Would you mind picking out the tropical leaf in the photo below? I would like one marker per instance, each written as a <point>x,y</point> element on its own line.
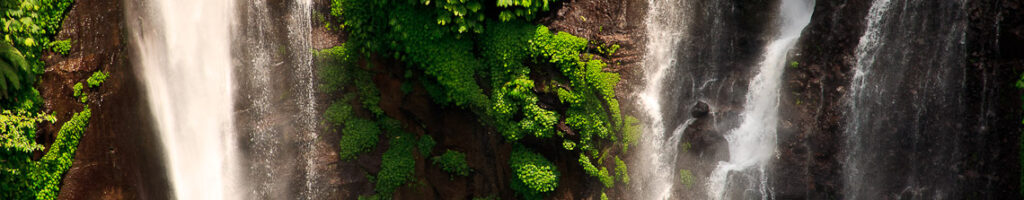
<point>15,72</point>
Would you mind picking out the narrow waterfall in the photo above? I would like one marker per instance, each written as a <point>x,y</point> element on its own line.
<point>905,99</point>
<point>665,30</point>
<point>752,144</point>
<point>277,109</point>
<point>184,58</point>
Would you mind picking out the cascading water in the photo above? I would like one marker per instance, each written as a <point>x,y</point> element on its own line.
<point>904,102</point>
<point>191,56</point>
<point>278,112</point>
<point>184,57</point>
<point>657,156</point>
<point>752,144</point>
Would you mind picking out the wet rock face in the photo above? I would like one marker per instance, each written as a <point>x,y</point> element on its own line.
<point>119,156</point>
<point>811,132</point>
<point>700,109</point>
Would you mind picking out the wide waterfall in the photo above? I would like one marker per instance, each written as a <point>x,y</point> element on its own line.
<point>904,103</point>
<point>233,96</point>
<point>184,54</point>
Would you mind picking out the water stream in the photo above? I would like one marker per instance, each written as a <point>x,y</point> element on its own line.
<point>233,96</point>
<point>184,57</point>
<point>752,144</point>
<point>905,98</point>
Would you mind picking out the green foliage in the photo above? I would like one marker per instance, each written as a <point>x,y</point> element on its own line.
<point>97,78</point>
<point>604,196</point>
<point>397,166</point>
<point>426,144</point>
<point>621,172</point>
<point>491,197</point>
<point>31,24</point>
<point>15,73</point>
<point>686,178</point>
<point>532,174</point>
<point>630,132</point>
<point>462,16</point>
<point>370,197</point>
<point>78,90</point>
<point>470,60</point>
<point>60,46</point>
<point>339,112</point>
<point>359,135</point>
<point>602,174</point>
<point>27,179</point>
<point>453,162</point>
<point>794,64</point>
<point>569,145</point>
<point>17,130</point>
<point>607,50</point>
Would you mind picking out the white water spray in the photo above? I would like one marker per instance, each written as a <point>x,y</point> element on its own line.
<point>753,143</point>
<point>185,63</point>
<point>657,156</point>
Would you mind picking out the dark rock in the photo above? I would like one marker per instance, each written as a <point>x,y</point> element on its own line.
<point>700,109</point>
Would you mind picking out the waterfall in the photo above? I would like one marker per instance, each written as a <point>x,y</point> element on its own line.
<point>665,30</point>
<point>752,144</point>
<point>184,60</point>
<point>233,96</point>
<point>278,111</point>
<point>904,101</point>
<point>299,30</point>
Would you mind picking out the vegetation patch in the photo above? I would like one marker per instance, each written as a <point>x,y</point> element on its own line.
<point>533,175</point>
<point>496,67</point>
<point>453,162</point>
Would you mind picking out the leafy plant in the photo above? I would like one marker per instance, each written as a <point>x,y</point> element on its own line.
<point>15,72</point>
<point>426,144</point>
<point>533,175</point>
<point>453,162</point>
<point>97,78</point>
<point>359,135</point>
<point>60,46</point>
<point>398,165</point>
<point>621,172</point>
<point>686,178</point>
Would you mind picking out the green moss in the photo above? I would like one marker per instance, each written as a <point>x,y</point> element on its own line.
<point>686,178</point>
<point>533,175</point>
<point>97,78</point>
<point>358,136</point>
<point>621,172</point>
<point>487,65</point>
<point>60,46</point>
<point>426,144</point>
<point>397,166</point>
<point>453,162</point>
<point>77,88</point>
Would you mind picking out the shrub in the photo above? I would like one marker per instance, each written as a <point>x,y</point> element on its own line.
<point>77,88</point>
<point>397,166</point>
<point>60,46</point>
<point>621,172</point>
<point>359,135</point>
<point>15,72</point>
<point>453,162</point>
<point>686,178</point>
<point>533,175</point>
<point>339,112</point>
<point>426,144</point>
<point>602,174</point>
<point>97,78</point>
